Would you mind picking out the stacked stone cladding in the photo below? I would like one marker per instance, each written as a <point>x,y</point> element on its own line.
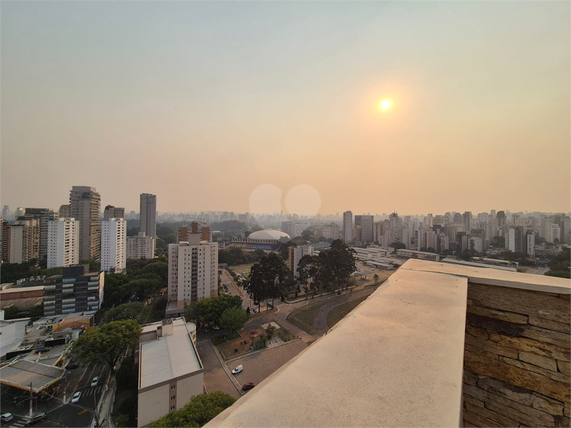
<point>516,358</point>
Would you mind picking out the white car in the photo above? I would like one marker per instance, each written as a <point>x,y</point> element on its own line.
<point>6,417</point>
<point>95,381</point>
<point>238,369</point>
<point>76,397</point>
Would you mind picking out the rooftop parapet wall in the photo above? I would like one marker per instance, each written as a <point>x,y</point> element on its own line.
<point>516,359</point>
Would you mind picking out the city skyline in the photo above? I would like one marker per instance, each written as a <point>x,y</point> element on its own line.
<point>220,98</point>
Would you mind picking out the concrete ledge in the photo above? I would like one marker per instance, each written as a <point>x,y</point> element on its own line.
<point>490,276</point>
<point>395,361</point>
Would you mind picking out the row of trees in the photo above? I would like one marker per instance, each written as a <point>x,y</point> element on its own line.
<point>270,278</point>
<point>225,311</point>
<point>561,265</point>
<point>143,280</point>
<point>236,256</point>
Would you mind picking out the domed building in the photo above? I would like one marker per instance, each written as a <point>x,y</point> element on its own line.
<point>267,239</point>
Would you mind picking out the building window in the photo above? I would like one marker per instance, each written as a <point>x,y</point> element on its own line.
<point>173,397</point>
<point>173,408</point>
<point>173,387</point>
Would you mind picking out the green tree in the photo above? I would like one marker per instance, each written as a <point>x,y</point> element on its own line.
<point>269,279</point>
<point>197,412</point>
<point>233,319</point>
<point>136,311</point>
<point>397,245</point>
<point>94,265</point>
<point>10,312</point>
<point>36,312</point>
<point>107,344</point>
<point>283,249</point>
<point>560,265</point>
<point>211,309</point>
<point>309,273</point>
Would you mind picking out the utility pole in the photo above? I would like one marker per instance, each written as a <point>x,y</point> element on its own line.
<point>31,400</point>
<point>65,387</point>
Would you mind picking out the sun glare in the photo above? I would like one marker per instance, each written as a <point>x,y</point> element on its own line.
<point>385,104</point>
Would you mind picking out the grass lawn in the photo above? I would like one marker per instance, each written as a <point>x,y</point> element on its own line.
<point>304,318</point>
<point>338,313</point>
<point>243,270</point>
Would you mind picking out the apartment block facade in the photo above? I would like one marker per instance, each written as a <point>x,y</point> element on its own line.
<point>140,247</point>
<point>77,290</point>
<point>193,270</point>
<point>63,242</point>
<point>85,205</point>
<point>148,216</point>
<point>114,245</point>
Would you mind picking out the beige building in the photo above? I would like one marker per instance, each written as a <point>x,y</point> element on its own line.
<point>113,212</point>
<point>140,247</point>
<point>21,241</point>
<point>295,255</point>
<point>193,272</point>
<point>170,369</point>
<point>85,204</point>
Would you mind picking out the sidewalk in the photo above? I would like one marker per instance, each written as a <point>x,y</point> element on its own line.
<point>105,405</point>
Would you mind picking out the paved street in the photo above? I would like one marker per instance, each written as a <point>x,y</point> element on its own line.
<point>59,414</point>
<point>259,365</point>
<point>215,378</point>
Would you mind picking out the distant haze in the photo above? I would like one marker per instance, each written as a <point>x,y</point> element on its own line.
<point>202,102</point>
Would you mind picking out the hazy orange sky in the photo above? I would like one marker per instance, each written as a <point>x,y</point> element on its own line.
<point>201,102</point>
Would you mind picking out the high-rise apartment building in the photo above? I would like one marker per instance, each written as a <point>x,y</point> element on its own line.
<point>530,243</point>
<point>467,220</point>
<point>365,223</point>
<point>64,211</point>
<point>113,212</point>
<point>347,226</point>
<point>395,228</point>
<point>63,242</point>
<point>21,241</point>
<point>501,219</point>
<point>295,254</point>
<point>85,204</point>
<point>44,216</point>
<point>140,247</point>
<point>113,245</point>
<point>195,228</point>
<point>6,212</point>
<point>149,215</point>
<point>193,270</point>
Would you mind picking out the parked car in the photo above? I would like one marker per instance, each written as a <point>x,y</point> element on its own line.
<point>72,366</point>
<point>238,369</point>
<point>248,386</point>
<point>95,381</point>
<point>76,397</point>
<point>6,417</point>
<point>215,327</point>
<point>35,419</point>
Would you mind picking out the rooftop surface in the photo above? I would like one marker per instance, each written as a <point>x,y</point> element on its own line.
<point>21,373</point>
<point>394,361</point>
<point>168,357</point>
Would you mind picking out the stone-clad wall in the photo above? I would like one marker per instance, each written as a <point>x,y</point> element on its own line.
<point>516,358</point>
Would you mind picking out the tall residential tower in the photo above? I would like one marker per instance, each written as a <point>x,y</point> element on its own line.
<point>149,215</point>
<point>85,203</point>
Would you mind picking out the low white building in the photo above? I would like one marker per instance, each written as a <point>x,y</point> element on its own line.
<point>170,369</point>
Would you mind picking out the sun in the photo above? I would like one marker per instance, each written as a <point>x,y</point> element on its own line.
<point>384,104</point>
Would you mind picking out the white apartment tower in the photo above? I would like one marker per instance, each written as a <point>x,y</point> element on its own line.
<point>63,242</point>
<point>140,247</point>
<point>113,245</point>
<point>193,270</point>
<point>149,215</point>
<point>347,226</point>
<point>295,255</point>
